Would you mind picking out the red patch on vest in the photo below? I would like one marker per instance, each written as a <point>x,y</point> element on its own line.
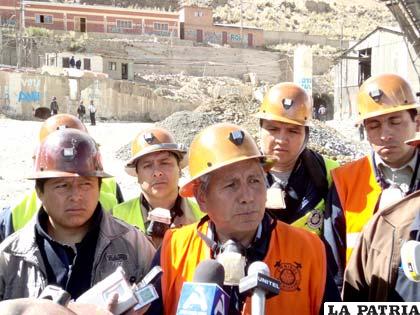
<point>289,275</point>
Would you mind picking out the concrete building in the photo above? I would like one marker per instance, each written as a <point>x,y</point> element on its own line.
<point>381,51</point>
<point>196,24</point>
<point>117,68</point>
<point>88,18</point>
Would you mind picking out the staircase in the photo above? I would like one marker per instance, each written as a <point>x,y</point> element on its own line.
<point>407,14</point>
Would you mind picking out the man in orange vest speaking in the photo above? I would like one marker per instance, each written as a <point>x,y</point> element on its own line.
<point>227,180</point>
<point>388,109</point>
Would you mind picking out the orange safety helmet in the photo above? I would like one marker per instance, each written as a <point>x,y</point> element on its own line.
<point>287,102</point>
<point>60,121</point>
<point>217,146</point>
<point>151,140</point>
<point>415,142</point>
<point>68,153</point>
<point>384,94</point>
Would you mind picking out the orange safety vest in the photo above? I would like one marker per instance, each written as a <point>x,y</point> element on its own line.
<point>358,191</point>
<point>295,257</point>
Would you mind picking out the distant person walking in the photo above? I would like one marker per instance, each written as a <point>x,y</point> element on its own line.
<point>54,106</point>
<point>92,113</point>
<point>81,111</point>
<point>78,64</point>
<point>322,113</point>
<point>72,62</point>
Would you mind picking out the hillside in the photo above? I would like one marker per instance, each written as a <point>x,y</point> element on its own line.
<point>354,18</point>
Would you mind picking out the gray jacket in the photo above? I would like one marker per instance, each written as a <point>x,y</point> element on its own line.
<point>23,273</point>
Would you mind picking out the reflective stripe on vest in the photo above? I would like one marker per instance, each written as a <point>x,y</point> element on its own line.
<point>25,209</point>
<point>130,212</point>
<point>300,265</point>
<point>313,220</point>
<point>358,192</point>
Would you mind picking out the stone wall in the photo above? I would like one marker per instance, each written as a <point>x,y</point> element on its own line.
<point>22,92</point>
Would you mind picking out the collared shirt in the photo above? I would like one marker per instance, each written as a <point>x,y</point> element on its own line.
<point>401,176</point>
<point>68,266</point>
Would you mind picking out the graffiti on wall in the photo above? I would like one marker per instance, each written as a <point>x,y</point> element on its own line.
<point>213,37</point>
<point>306,84</point>
<point>30,91</point>
<point>235,37</point>
<point>92,92</point>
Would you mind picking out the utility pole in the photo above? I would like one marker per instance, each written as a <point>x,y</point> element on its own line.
<point>242,25</point>
<point>19,35</point>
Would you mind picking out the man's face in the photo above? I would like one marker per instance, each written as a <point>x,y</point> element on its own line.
<point>158,174</point>
<point>70,201</point>
<point>235,198</point>
<point>282,140</point>
<point>387,133</point>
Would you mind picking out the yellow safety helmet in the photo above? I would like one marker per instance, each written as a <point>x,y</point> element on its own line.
<point>287,102</point>
<point>217,146</point>
<point>384,94</point>
<point>415,142</point>
<point>60,121</point>
<point>151,140</point>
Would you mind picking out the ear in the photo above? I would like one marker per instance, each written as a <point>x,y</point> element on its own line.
<point>201,199</point>
<point>417,123</point>
<point>39,194</point>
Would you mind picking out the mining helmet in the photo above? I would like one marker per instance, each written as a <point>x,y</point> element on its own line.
<point>152,140</point>
<point>287,102</point>
<point>68,153</point>
<point>60,121</point>
<point>384,94</point>
<point>415,142</point>
<point>217,146</point>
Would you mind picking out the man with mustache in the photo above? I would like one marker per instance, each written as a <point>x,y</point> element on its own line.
<point>71,242</point>
<point>227,179</point>
<point>156,162</point>
<point>388,109</point>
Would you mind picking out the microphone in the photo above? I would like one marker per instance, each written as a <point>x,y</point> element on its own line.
<point>259,284</point>
<point>205,294</point>
<point>410,260</point>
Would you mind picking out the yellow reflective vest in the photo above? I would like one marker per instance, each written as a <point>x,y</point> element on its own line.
<point>26,208</point>
<point>313,220</point>
<point>130,211</point>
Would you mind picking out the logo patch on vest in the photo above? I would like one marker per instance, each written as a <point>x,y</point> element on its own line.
<point>315,219</point>
<point>289,275</point>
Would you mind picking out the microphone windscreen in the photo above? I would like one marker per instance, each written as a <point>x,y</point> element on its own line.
<point>258,267</point>
<point>209,271</point>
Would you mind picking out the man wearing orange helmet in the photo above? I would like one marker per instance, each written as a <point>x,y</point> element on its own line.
<point>15,217</point>
<point>71,242</point>
<point>228,181</point>
<point>299,180</point>
<point>387,108</point>
<point>380,255</point>
<point>156,162</point>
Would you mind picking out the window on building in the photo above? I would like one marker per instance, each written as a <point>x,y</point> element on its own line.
<point>124,24</point>
<point>365,60</point>
<point>161,26</point>
<point>198,13</point>
<point>43,19</point>
<point>86,64</point>
<point>112,65</point>
<point>66,62</point>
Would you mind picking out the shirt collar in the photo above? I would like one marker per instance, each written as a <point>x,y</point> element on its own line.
<point>411,164</point>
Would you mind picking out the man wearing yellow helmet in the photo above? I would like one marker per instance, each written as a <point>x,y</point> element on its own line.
<point>15,217</point>
<point>299,180</point>
<point>156,162</point>
<point>380,255</point>
<point>228,181</point>
<point>387,108</point>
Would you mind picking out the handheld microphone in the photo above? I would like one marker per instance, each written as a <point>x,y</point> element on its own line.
<point>410,260</point>
<point>259,284</point>
<point>205,295</point>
